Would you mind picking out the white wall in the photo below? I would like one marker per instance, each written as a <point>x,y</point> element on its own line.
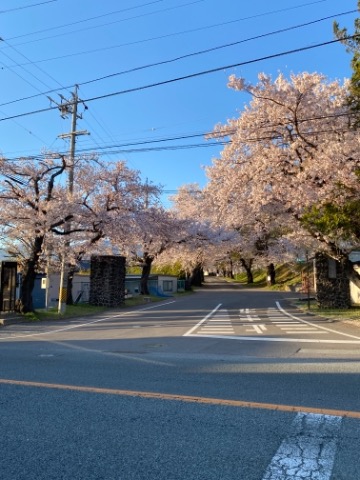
<point>81,284</point>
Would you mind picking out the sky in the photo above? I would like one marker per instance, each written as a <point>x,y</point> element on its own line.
<point>152,74</point>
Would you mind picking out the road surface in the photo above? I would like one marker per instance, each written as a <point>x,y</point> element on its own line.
<point>227,384</point>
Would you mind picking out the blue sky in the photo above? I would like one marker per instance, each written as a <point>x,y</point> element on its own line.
<point>49,46</point>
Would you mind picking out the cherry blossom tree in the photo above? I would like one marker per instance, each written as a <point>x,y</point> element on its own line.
<point>37,210</point>
<point>352,43</point>
<point>207,238</point>
<point>109,194</point>
<point>291,149</point>
<point>153,230</point>
<point>30,196</point>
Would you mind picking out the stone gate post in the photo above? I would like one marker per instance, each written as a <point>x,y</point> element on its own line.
<point>107,280</point>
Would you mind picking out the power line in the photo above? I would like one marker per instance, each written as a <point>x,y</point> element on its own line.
<point>104,24</point>
<point>119,149</point>
<point>220,135</point>
<point>187,77</point>
<point>26,6</point>
<point>206,145</point>
<point>27,71</point>
<point>208,50</point>
<point>217,135</point>
<point>195,30</point>
<point>27,81</point>
<point>201,52</point>
<point>85,20</point>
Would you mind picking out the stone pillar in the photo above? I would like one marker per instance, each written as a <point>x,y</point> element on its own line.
<point>332,282</point>
<point>107,280</point>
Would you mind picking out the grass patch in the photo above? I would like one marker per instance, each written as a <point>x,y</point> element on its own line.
<point>352,313</point>
<point>84,309</point>
<point>70,311</point>
<point>259,277</point>
<point>286,275</point>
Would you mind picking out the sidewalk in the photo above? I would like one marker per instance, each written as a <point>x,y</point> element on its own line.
<point>10,318</point>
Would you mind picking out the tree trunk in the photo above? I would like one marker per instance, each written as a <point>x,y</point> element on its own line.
<point>197,276</point>
<point>69,287</point>
<point>247,267</point>
<point>146,269</point>
<point>28,278</point>
<point>271,274</point>
<point>231,271</point>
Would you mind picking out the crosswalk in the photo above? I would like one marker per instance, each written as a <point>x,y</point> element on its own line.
<point>272,323</point>
<point>220,323</point>
<point>291,325</point>
<point>249,321</point>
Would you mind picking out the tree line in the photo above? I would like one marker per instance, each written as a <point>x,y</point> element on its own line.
<point>286,182</point>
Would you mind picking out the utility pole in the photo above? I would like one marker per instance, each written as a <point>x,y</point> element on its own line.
<point>66,108</point>
<point>69,107</point>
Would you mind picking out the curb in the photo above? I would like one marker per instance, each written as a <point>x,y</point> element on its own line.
<point>11,320</point>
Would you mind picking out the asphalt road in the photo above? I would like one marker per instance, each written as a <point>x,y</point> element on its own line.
<point>225,384</point>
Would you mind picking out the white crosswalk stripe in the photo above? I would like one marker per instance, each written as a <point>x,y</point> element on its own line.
<point>292,326</point>
<point>219,324</point>
<point>270,325</point>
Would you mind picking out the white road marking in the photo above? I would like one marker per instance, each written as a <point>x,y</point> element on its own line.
<point>282,339</point>
<point>218,320</point>
<point>300,327</point>
<point>257,328</point>
<point>216,329</point>
<point>309,450</point>
<point>202,321</point>
<point>286,324</point>
<point>313,324</point>
<point>80,325</point>
<point>246,316</point>
<point>219,324</point>
<point>307,332</point>
<point>216,333</point>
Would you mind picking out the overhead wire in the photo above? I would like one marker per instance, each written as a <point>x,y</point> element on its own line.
<point>26,70</point>
<point>189,76</point>
<point>219,47</point>
<point>26,6</point>
<point>189,31</point>
<point>123,10</point>
<point>85,20</point>
<point>220,68</point>
<point>122,148</point>
<point>111,23</point>
<point>201,52</point>
<point>99,16</point>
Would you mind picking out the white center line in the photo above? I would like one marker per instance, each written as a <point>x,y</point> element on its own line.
<point>309,450</point>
